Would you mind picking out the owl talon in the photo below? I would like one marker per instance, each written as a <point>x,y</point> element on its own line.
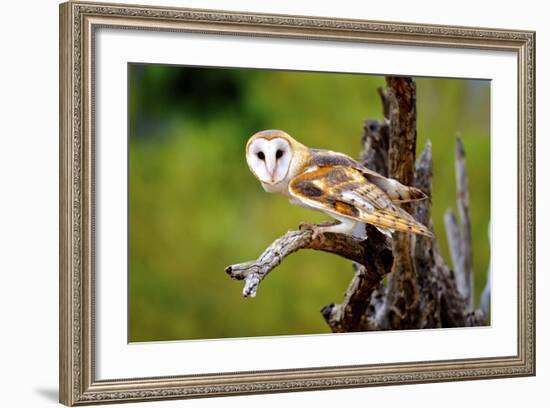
<point>318,229</point>
<point>307,226</point>
<point>317,233</point>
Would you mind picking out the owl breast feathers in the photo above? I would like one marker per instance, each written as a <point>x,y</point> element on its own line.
<point>333,183</point>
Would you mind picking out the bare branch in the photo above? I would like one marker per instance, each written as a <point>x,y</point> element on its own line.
<point>463,205</point>
<point>459,236</point>
<point>423,210</point>
<point>375,146</point>
<point>383,93</point>
<point>426,271</point>
<point>253,272</point>
<point>347,316</point>
<point>455,248</point>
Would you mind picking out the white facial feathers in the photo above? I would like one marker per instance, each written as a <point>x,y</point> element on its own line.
<point>269,159</point>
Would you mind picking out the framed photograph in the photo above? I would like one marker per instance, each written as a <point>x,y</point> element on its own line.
<point>256,203</point>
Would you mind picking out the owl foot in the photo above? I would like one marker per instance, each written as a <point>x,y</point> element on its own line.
<point>319,229</point>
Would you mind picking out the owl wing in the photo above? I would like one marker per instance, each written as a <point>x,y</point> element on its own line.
<point>396,191</point>
<point>345,191</point>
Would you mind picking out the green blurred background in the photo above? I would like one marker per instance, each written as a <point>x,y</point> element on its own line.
<point>194,206</point>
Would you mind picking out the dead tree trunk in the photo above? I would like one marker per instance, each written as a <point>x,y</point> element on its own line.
<point>421,291</point>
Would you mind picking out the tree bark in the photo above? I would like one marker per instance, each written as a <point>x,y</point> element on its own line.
<point>401,309</point>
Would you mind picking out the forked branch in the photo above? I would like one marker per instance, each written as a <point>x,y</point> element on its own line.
<point>253,272</point>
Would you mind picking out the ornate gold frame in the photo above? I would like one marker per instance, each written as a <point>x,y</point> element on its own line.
<point>78,22</point>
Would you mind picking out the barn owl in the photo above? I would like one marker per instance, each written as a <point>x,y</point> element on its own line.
<point>333,183</point>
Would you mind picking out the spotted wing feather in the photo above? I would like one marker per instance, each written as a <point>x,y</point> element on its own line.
<point>396,191</point>
<point>345,191</point>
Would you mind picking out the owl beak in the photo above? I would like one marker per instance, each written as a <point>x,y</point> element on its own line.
<point>271,173</point>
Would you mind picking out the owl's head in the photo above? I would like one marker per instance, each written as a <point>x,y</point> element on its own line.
<point>269,155</point>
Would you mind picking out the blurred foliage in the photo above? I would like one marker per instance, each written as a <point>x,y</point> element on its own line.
<point>194,207</point>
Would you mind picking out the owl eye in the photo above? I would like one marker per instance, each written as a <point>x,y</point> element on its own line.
<point>261,155</point>
<point>278,154</point>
